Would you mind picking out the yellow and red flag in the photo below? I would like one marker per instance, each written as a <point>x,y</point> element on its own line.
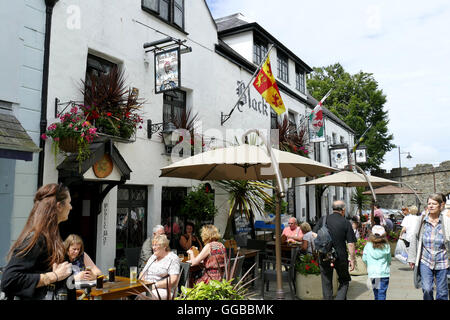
<point>266,85</point>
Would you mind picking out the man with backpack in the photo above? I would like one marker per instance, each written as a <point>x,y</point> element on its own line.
<point>334,233</point>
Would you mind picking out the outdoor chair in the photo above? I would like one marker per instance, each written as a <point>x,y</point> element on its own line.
<point>184,275</point>
<point>268,272</point>
<point>132,256</point>
<point>238,268</point>
<point>231,244</point>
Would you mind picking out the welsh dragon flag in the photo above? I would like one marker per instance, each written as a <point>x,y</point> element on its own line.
<point>316,127</point>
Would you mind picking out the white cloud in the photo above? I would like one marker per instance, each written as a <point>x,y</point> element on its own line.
<point>403,43</point>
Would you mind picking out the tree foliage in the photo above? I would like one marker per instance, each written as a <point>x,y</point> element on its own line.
<point>357,100</point>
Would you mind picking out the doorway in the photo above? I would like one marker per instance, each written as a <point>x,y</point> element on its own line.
<point>83,217</point>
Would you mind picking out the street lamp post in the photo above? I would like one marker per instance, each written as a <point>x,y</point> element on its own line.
<point>400,165</point>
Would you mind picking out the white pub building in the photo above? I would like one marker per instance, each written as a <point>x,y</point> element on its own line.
<point>217,59</point>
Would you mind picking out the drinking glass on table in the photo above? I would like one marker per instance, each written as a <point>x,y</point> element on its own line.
<point>112,274</point>
<point>133,274</point>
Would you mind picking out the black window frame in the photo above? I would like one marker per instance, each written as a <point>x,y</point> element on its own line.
<point>283,67</point>
<point>273,119</point>
<point>168,99</point>
<point>171,12</point>
<point>292,124</point>
<point>126,226</point>
<point>260,48</point>
<point>300,79</point>
<point>97,64</point>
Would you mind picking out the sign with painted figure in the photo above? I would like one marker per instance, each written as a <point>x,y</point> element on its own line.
<point>339,157</point>
<point>167,70</point>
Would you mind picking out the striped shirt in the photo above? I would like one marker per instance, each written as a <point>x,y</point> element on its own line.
<point>434,253</point>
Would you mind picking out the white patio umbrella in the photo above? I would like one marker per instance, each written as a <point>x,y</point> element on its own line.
<point>353,179</point>
<point>350,179</point>
<point>244,162</point>
<point>249,162</point>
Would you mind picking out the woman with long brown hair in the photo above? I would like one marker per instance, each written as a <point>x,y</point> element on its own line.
<point>36,266</point>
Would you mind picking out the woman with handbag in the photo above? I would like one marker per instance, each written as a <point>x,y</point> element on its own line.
<point>428,252</point>
<point>36,267</point>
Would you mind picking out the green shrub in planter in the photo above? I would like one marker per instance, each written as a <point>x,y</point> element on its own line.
<point>214,290</point>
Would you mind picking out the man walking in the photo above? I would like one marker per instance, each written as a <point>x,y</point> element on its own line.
<point>342,235</point>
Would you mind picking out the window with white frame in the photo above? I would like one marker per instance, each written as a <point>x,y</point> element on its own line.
<point>171,11</point>
<point>283,66</point>
<point>299,79</point>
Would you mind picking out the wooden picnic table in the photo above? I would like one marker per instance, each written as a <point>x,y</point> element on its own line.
<point>121,288</point>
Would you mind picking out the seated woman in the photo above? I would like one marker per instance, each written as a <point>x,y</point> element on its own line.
<point>82,265</point>
<point>308,238</point>
<point>162,264</point>
<point>189,239</point>
<point>213,255</point>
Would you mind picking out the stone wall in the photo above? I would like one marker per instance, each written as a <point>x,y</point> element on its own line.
<point>422,178</point>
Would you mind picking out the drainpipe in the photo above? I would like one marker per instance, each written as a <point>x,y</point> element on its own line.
<point>49,4</point>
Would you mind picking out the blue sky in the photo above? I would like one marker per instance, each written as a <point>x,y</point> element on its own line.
<point>405,44</point>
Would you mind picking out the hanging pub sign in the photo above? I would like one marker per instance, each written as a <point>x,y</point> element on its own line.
<point>339,156</point>
<point>167,70</point>
<point>361,154</point>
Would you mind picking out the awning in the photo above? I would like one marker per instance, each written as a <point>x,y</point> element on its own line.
<point>15,143</point>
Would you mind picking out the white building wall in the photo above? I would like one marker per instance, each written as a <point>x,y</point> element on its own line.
<point>117,32</point>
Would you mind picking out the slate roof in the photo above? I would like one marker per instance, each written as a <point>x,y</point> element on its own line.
<point>13,136</point>
<point>236,23</point>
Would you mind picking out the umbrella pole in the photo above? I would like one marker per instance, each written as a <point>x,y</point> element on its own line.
<point>280,292</point>
<point>374,198</point>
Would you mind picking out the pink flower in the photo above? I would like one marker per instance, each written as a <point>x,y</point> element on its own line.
<point>56,139</point>
<point>44,136</point>
<point>76,129</point>
<point>85,124</point>
<point>70,125</point>
<point>74,110</point>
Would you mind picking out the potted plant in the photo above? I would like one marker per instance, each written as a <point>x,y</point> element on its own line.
<point>73,133</point>
<point>110,105</point>
<point>360,266</point>
<point>308,279</point>
<point>198,206</point>
<point>291,139</point>
<point>246,197</point>
<point>393,237</point>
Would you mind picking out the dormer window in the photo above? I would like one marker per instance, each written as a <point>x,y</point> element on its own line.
<point>283,66</point>
<point>171,11</point>
<point>259,50</point>
<point>300,79</point>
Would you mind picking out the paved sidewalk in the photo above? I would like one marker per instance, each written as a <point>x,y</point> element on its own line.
<point>401,286</point>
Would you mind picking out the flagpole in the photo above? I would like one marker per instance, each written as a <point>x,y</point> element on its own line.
<point>323,99</point>
<point>224,118</point>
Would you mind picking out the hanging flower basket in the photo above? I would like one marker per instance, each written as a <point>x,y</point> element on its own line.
<point>68,144</point>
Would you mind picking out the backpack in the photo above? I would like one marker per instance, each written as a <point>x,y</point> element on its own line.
<point>324,244</point>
